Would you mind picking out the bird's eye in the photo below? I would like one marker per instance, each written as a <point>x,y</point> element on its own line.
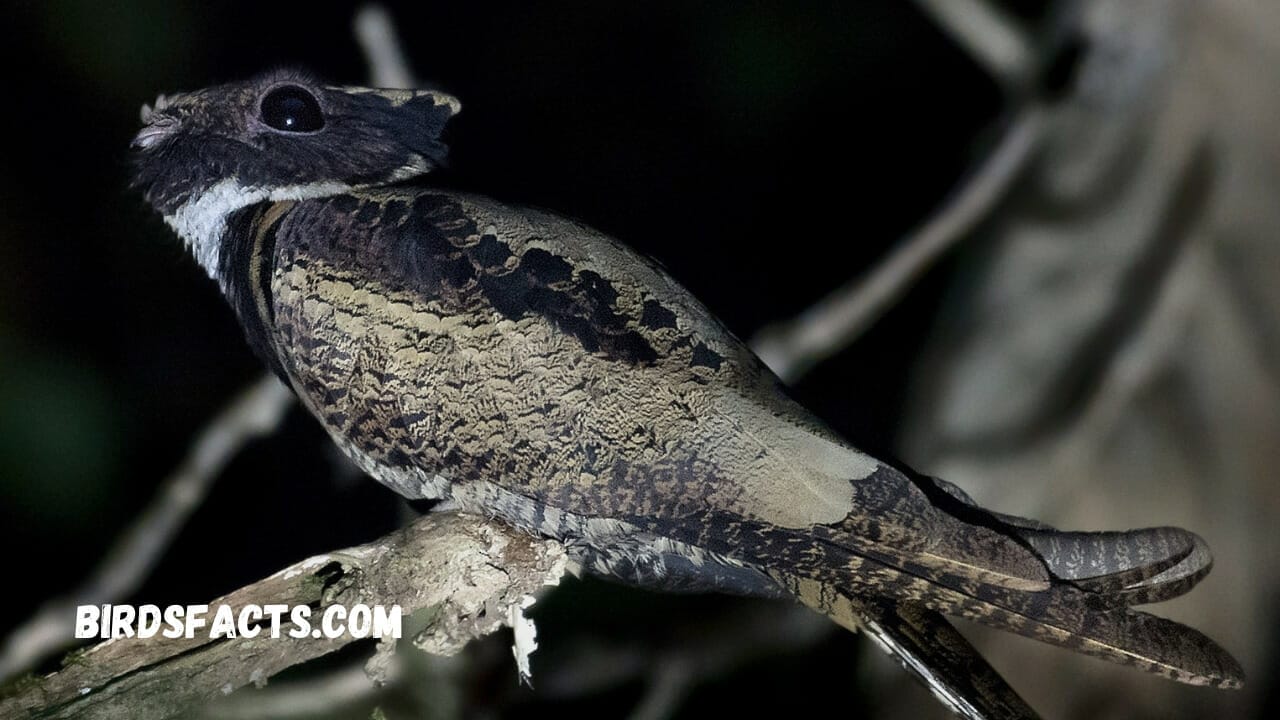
<point>292,109</point>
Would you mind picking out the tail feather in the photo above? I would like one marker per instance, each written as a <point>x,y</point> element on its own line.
<point>1173,582</point>
<point>1132,567</point>
<point>930,648</point>
<point>1122,635</point>
<point>927,646</point>
<point>1063,615</point>
<point>1113,563</point>
<point>1072,589</point>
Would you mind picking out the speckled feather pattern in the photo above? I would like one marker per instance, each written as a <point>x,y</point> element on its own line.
<point>476,362</point>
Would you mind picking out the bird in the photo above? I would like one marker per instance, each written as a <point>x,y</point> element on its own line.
<point>519,364</point>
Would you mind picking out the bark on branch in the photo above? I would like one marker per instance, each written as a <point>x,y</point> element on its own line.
<point>459,573</point>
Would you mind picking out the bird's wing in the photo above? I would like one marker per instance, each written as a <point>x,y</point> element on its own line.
<point>565,367</point>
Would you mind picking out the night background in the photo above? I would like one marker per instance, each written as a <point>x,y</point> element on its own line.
<point>765,154</point>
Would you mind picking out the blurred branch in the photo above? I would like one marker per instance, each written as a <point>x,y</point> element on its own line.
<point>255,412</point>
<point>699,652</point>
<point>459,572</point>
<point>728,644</point>
<point>375,32</point>
<point>668,685</point>
<point>991,37</point>
<point>793,347</point>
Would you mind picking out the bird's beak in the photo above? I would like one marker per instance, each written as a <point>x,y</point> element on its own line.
<point>148,136</point>
<point>155,126</point>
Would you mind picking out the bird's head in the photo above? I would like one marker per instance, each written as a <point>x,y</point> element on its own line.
<point>279,136</point>
<point>282,133</point>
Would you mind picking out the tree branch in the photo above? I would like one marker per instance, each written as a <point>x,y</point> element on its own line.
<point>458,571</point>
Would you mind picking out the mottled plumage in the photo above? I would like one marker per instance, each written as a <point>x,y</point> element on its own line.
<point>528,367</point>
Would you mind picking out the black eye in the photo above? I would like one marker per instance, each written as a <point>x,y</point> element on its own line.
<point>292,109</point>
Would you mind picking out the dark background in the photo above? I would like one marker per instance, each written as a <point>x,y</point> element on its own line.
<point>764,152</point>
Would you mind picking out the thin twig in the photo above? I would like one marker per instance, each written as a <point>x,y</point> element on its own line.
<point>793,347</point>
<point>257,411</point>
